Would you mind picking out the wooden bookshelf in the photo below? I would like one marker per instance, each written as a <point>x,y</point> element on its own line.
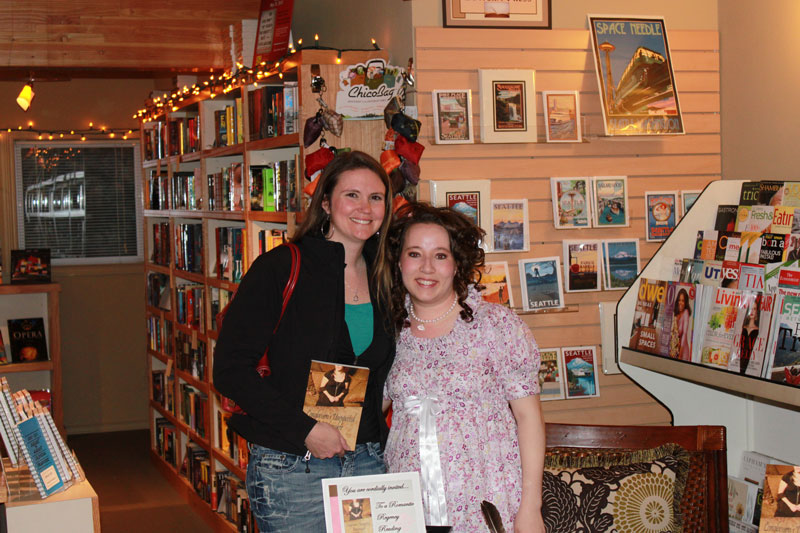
<point>208,159</point>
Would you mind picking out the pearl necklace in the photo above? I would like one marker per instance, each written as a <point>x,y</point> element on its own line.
<point>421,325</point>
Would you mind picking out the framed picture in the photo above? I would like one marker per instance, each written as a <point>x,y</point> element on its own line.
<point>687,200</point>
<point>494,276</point>
<point>571,205</point>
<point>470,197</point>
<point>662,214</point>
<point>634,74</point>
<point>532,14</point>
<point>541,284</point>
<point>510,226</point>
<point>580,369</point>
<point>610,201</point>
<point>551,375</point>
<point>620,263</point>
<point>508,106</point>
<point>582,266</point>
<point>452,117</point>
<point>562,116</point>
<point>31,265</point>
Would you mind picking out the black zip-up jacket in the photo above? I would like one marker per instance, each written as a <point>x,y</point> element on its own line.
<point>313,327</point>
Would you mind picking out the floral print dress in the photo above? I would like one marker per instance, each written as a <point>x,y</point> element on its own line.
<point>473,372</point>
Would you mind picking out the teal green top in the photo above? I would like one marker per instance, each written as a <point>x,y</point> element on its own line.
<point>359,323</point>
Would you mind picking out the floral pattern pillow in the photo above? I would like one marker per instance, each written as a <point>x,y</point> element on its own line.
<point>636,492</point>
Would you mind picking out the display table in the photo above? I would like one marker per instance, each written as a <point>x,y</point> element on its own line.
<point>74,510</point>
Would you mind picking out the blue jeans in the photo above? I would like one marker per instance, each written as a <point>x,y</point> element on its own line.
<point>286,498</point>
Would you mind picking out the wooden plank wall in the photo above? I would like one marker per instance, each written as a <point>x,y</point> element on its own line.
<point>450,59</point>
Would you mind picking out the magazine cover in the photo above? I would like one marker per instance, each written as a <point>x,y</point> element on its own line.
<point>680,307</point>
<point>688,198</point>
<point>707,244</point>
<point>27,339</point>
<point>620,263</point>
<point>791,247</point>
<point>510,225</point>
<point>753,324</point>
<point>791,194</point>
<point>335,394</point>
<point>452,116</point>
<point>711,273</point>
<point>649,305</point>
<point>540,281</point>
<point>610,208</point>
<point>582,265</point>
<point>634,74</point>
<point>730,275</point>
<point>751,277</point>
<point>750,247</point>
<point>754,218</point>
<point>783,219</point>
<point>771,192</point>
<point>726,218</point>
<point>750,193</point>
<point>772,246</point>
<point>719,327</point>
<point>494,277</point>
<point>662,217</point>
<point>741,499</point>
<point>785,362</point>
<point>728,246</point>
<point>780,504</point>
<point>551,383</point>
<point>570,202</point>
<point>580,368</point>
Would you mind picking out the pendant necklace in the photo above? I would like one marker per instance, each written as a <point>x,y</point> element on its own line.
<point>421,322</point>
<point>355,291</point>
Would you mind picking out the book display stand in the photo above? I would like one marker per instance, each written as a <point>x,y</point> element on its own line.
<point>219,190</point>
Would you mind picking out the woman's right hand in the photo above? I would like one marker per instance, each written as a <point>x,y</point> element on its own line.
<point>324,441</point>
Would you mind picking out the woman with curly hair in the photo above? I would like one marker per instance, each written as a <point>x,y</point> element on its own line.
<point>464,384</point>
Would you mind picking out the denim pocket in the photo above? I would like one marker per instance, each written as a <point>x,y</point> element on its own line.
<point>273,460</point>
<point>376,452</point>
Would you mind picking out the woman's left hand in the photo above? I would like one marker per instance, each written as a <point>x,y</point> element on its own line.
<point>529,520</point>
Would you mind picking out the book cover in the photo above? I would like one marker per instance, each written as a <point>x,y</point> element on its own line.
<point>551,372</point>
<point>680,304</point>
<point>27,339</point>
<point>750,247</point>
<point>783,219</point>
<point>719,327</point>
<point>752,325</point>
<point>582,265</point>
<point>39,457</point>
<point>571,207</point>
<point>610,195</point>
<point>780,505</point>
<point>750,193</point>
<point>580,369</point>
<point>726,218</point>
<point>31,265</point>
<point>497,288</point>
<point>754,218</point>
<point>510,226</point>
<point>620,263</point>
<point>662,214</point>
<point>772,246</point>
<point>540,282</point>
<point>649,305</point>
<point>771,192</point>
<point>335,395</point>
<point>785,361</point>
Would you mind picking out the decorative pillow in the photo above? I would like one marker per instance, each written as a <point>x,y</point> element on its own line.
<point>605,490</point>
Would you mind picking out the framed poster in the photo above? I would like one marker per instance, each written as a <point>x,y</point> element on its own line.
<point>495,279</point>
<point>634,73</point>
<point>508,106</point>
<point>687,200</point>
<point>562,116</point>
<point>469,197</point>
<point>620,263</point>
<point>452,117</point>
<point>571,205</point>
<point>31,265</point>
<point>580,369</point>
<point>532,14</point>
<point>581,266</point>
<point>510,226</point>
<point>610,201</point>
<point>662,214</point>
<point>540,282</point>
<point>551,375</point>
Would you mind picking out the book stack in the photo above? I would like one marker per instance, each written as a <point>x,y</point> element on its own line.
<point>159,335</point>
<point>194,406</point>
<point>184,134</point>
<point>735,304</point>
<point>228,129</point>
<point>219,299</point>
<point>155,135</point>
<point>190,310</point>
<point>270,238</point>
<point>158,290</point>
<point>30,434</point>
<point>273,187</point>
<point>165,440</point>
<point>273,110</point>
<point>196,468</point>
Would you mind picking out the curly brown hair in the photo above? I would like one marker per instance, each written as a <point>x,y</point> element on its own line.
<point>465,238</point>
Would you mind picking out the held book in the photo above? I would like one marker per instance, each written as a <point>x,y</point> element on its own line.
<point>27,338</point>
<point>780,506</point>
<point>335,395</point>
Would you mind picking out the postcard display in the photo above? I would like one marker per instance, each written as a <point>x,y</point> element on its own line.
<point>685,386</point>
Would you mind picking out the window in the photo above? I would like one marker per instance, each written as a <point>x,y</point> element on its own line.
<point>83,201</point>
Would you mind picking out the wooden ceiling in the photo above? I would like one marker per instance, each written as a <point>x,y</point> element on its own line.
<point>115,38</point>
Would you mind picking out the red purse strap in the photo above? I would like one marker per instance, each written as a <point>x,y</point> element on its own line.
<point>291,282</point>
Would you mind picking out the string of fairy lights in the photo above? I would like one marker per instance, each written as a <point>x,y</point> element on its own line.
<point>91,132</point>
<point>228,81</point>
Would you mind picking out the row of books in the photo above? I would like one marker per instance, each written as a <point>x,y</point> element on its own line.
<point>183,134</point>
<point>159,335</point>
<point>225,189</point>
<point>228,128</point>
<point>158,291</point>
<point>230,442</point>
<point>190,306</point>
<point>160,254</point>
<point>196,468</point>
<point>219,299</point>
<point>273,110</point>
<point>230,243</point>
<point>184,190</point>
<point>162,382</point>
<point>23,340</point>
<point>158,185</point>
<point>270,238</point>
<point>189,247</point>
<point>273,187</point>
<point>29,434</point>
<point>165,436</point>
<point>194,408</point>
<point>232,502</point>
<point>155,140</point>
<point>190,355</point>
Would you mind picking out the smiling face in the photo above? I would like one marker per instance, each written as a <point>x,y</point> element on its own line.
<point>428,266</point>
<point>356,207</point>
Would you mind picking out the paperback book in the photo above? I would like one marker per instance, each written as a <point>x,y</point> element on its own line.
<point>335,395</point>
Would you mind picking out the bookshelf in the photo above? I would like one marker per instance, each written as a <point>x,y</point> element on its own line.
<point>28,301</point>
<point>185,236</point>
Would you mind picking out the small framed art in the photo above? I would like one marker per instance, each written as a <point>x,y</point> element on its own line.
<point>580,369</point>
<point>530,14</point>
<point>469,197</point>
<point>562,116</point>
<point>662,214</point>
<point>31,265</point>
<point>551,375</point>
<point>687,200</point>
<point>610,201</point>
<point>508,106</point>
<point>541,284</point>
<point>510,225</point>
<point>620,263</point>
<point>582,266</point>
<point>571,205</point>
<point>494,277</point>
<point>452,116</point>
